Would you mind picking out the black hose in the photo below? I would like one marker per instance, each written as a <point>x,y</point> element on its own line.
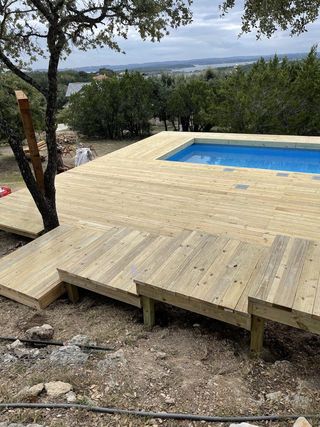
<point>57,343</point>
<point>161,415</point>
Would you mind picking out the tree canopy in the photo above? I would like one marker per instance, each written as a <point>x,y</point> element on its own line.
<point>266,17</point>
<point>112,108</point>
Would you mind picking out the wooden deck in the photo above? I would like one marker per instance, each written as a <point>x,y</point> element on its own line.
<point>288,290</point>
<point>109,265</point>
<point>130,187</point>
<point>29,274</point>
<point>206,238</point>
<point>207,274</point>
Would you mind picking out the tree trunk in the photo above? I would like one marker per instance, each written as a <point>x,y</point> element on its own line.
<point>185,123</point>
<point>48,213</point>
<point>165,124</point>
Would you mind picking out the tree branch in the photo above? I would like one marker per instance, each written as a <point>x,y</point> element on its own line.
<point>21,74</point>
<point>41,7</point>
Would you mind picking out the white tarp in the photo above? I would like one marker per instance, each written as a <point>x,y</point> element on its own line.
<point>83,155</point>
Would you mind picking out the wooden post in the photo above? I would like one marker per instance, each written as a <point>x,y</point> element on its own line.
<point>148,312</point>
<point>257,331</point>
<point>73,293</point>
<point>25,112</point>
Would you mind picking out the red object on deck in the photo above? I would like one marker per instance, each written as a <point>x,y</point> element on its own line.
<point>4,191</point>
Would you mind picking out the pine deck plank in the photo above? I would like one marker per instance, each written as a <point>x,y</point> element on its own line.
<point>29,275</point>
<point>108,265</point>
<point>133,188</point>
<point>305,299</point>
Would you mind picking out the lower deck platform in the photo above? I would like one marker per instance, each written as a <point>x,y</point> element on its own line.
<point>234,244</point>
<point>207,274</point>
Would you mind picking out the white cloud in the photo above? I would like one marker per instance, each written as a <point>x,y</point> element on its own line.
<point>210,35</point>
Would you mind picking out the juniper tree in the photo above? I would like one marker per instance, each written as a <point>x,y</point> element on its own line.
<point>30,29</point>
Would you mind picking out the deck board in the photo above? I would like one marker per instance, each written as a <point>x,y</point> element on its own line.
<point>206,274</point>
<point>289,290</point>
<point>29,274</point>
<point>108,265</point>
<point>131,187</point>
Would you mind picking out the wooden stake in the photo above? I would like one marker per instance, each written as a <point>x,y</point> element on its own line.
<point>25,112</point>
<point>257,331</point>
<point>148,312</point>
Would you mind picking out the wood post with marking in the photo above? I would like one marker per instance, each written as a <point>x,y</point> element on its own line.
<point>257,332</point>
<point>26,117</point>
<point>148,312</point>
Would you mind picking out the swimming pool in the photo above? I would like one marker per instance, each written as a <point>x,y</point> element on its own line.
<point>245,156</point>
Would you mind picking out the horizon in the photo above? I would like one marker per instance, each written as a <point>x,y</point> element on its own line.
<point>208,36</point>
<point>188,61</point>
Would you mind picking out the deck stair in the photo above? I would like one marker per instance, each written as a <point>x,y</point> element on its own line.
<point>29,275</point>
<point>109,265</point>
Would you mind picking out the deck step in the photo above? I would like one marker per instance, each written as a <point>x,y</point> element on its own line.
<point>203,273</point>
<point>206,274</point>
<point>109,265</point>
<point>29,274</point>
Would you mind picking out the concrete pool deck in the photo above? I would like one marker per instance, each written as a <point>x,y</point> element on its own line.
<point>131,187</point>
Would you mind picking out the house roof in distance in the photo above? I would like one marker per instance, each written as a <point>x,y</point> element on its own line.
<point>75,87</point>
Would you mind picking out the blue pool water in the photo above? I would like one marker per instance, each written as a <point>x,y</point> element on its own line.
<point>284,159</point>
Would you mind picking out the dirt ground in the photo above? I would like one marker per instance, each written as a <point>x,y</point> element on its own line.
<point>10,174</point>
<point>187,363</point>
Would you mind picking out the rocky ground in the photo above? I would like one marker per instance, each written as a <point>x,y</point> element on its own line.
<point>188,363</point>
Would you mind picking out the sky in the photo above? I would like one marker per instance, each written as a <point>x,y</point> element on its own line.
<point>208,36</point>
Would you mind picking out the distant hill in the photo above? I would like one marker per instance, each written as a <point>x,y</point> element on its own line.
<point>188,65</point>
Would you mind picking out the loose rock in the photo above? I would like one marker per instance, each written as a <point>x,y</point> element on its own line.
<point>71,397</point>
<point>31,392</point>
<point>80,340</point>
<point>161,355</point>
<point>44,332</point>
<point>170,401</point>
<point>302,422</point>
<point>68,355</point>
<point>57,388</point>
<point>14,345</point>
<point>300,401</point>
<point>113,360</point>
<point>7,358</point>
<point>25,353</point>
<point>274,396</point>
<point>243,425</point>
<point>19,425</point>
<point>21,352</point>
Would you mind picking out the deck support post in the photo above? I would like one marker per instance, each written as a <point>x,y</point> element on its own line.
<point>257,332</point>
<point>73,293</point>
<point>148,312</point>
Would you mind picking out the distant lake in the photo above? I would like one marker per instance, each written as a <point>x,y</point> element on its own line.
<point>200,67</point>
